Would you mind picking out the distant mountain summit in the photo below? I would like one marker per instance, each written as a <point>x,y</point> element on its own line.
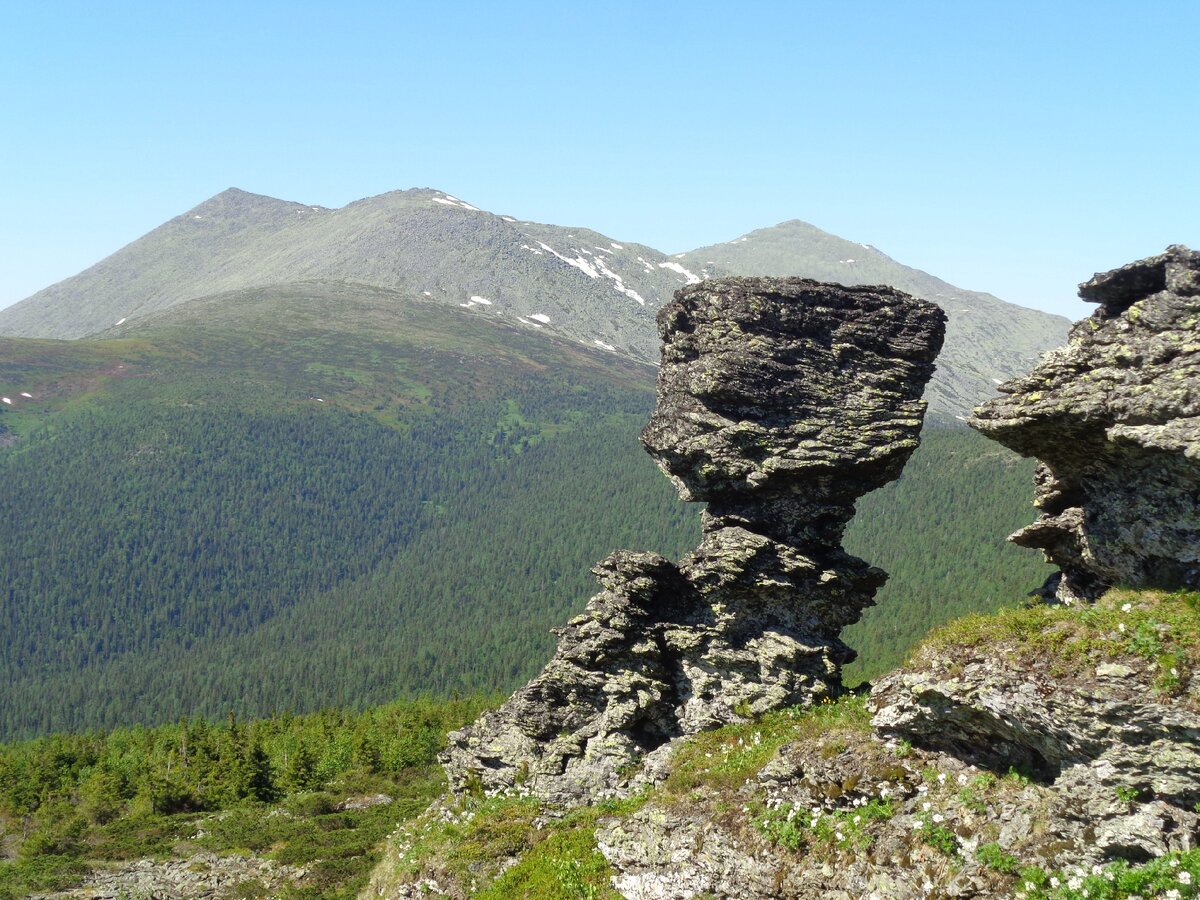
<point>573,282</point>
<point>986,338</point>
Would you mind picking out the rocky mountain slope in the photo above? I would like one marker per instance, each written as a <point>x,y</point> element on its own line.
<point>570,281</point>
<point>1044,754</point>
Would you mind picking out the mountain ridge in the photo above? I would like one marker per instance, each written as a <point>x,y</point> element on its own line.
<point>574,281</point>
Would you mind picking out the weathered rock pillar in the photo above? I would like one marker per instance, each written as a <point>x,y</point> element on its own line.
<point>1114,419</point>
<point>780,403</point>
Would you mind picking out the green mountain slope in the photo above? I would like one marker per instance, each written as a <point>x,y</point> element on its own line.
<point>337,494</point>
<point>548,279</point>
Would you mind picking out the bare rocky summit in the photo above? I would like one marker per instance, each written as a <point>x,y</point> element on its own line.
<point>1114,418</point>
<point>780,402</point>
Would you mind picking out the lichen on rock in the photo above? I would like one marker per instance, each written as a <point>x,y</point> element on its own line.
<point>780,402</point>
<point>1114,418</point>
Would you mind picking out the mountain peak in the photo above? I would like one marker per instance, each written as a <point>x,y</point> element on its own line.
<point>235,201</point>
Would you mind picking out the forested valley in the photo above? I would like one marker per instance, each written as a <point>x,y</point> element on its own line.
<point>251,513</point>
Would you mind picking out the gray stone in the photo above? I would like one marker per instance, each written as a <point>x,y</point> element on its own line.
<point>1114,418</point>
<point>780,403</point>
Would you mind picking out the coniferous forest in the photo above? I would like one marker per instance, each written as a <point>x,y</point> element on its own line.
<point>272,513</point>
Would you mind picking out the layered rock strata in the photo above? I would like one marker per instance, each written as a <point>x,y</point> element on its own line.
<point>1114,419</point>
<point>780,402</point>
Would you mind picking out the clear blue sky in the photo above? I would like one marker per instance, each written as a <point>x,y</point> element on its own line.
<point>1011,147</point>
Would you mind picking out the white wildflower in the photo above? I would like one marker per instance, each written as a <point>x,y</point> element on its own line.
<point>1127,607</point>
<point>1121,627</point>
<point>925,806</point>
<point>1185,877</point>
<point>938,817</point>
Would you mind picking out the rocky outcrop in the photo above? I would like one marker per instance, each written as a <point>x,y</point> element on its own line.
<point>780,402</point>
<point>1114,418</point>
<point>1049,746</point>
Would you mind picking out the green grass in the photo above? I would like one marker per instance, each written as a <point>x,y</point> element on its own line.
<point>722,760</point>
<point>1139,627</point>
<point>794,828</point>
<point>43,873</point>
<point>1176,874</point>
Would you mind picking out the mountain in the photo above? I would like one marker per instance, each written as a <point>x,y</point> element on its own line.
<point>280,434</point>
<point>327,493</point>
<point>988,341</point>
<point>572,282</point>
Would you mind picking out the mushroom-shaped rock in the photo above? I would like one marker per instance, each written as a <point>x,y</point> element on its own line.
<point>780,402</point>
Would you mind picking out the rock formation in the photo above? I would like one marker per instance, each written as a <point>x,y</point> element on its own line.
<point>1114,418</point>
<point>990,757</point>
<point>780,402</point>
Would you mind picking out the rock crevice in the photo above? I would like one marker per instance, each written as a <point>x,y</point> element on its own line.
<point>780,403</point>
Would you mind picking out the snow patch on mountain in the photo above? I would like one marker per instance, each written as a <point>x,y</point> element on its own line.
<point>578,262</point>
<point>449,200</point>
<point>619,282</point>
<point>691,277</point>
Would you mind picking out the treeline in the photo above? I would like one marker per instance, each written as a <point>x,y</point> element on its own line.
<point>68,801</point>
<point>198,765</point>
